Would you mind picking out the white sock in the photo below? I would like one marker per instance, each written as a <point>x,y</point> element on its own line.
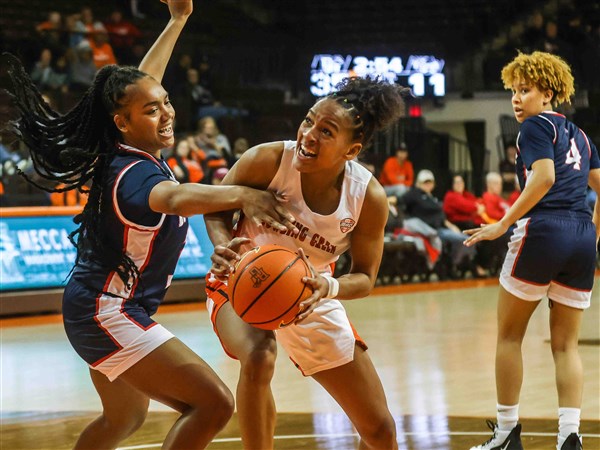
<point>507,416</point>
<point>568,421</point>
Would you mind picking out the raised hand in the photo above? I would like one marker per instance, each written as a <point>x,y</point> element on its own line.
<point>179,8</point>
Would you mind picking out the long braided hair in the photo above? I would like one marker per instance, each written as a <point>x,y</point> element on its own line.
<point>374,104</point>
<point>75,148</point>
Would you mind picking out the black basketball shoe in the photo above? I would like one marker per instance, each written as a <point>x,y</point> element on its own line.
<point>572,442</point>
<point>496,442</point>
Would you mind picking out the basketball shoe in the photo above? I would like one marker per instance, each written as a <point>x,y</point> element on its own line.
<point>572,442</point>
<point>502,441</point>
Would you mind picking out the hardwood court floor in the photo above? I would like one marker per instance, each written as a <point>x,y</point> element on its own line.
<point>433,346</point>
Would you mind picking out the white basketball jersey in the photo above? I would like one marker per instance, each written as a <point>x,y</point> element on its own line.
<point>323,237</point>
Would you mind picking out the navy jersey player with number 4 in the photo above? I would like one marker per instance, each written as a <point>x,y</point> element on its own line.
<point>552,251</point>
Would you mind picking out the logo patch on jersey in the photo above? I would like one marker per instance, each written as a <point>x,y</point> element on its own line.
<point>346,225</point>
<point>258,275</point>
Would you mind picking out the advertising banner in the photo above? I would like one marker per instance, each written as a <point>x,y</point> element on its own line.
<point>36,252</point>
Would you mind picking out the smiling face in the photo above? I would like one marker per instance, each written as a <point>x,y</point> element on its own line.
<point>528,100</point>
<point>325,138</point>
<point>146,118</point>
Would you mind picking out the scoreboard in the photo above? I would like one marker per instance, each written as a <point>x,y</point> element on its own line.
<point>423,74</point>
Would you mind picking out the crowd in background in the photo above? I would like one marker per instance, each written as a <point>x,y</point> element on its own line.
<point>73,47</point>
<point>569,32</point>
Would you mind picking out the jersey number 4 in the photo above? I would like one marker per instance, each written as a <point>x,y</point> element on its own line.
<point>573,156</point>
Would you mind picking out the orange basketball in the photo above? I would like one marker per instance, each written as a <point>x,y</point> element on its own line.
<point>266,286</point>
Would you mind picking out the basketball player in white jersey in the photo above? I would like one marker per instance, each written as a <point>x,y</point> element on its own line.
<point>338,206</point>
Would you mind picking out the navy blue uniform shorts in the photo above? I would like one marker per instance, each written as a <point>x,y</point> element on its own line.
<point>110,333</point>
<point>552,255</point>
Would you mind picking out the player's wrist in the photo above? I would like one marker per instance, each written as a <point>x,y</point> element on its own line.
<point>333,287</point>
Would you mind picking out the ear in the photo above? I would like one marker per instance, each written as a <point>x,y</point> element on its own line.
<point>548,95</point>
<point>120,122</point>
<point>353,151</point>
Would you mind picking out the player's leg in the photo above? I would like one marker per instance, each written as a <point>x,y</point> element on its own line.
<point>256,350</point>
<point>124,410</point>
<point>565,323</point>
<point>513,318</point>
<point>176,376</point>
<point>358,390</point>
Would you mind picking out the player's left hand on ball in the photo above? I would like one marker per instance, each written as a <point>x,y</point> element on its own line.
<point>319,286</point>
<point>225,256</point>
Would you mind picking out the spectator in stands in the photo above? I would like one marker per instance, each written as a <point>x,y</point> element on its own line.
<point>52,33</point>
<point>461,207</point>
<point>514,195</point>
<point>397,174</point>
<point>102,51</point>
<point>190,99</point>
<point>176,75</point>
<point>81,25</point>
<point>82,67</point>
<point>218,175</point>
<point>185,167</point>
<point>72,197</point>
<point>495,205</point>
<point>211,140</point>
<point>553,43</point>
<point>46,77</point>
<point>240,146</point>
<point>123,36</point>
<point>508,169</point>
<point>419,202</point>
<point>534,33</point>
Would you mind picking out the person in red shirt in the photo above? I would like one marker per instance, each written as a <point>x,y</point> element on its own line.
<point>462,207</point>
<point>397,175</point>
<point>123,36</point>
<point>495,205</point>
<point>514,195</point>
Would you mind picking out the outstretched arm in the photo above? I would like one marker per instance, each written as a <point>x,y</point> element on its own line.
<point>156,60</point>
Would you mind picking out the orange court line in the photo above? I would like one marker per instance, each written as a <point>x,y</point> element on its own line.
<point>37,211</point>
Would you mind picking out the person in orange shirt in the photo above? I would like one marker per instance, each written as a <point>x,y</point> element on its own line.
<point>101,48</point>
<point>183,164</point>
<point>397,175</point>
<point>72,197</point>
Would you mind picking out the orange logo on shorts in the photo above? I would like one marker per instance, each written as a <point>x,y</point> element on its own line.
<point>346,225</point>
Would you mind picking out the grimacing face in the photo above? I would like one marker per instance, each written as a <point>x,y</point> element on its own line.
<point>324,139</point>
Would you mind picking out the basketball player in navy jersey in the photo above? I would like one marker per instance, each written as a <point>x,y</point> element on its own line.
<point>130,235</point>
<point>552,251</point>
<point>338,206</point>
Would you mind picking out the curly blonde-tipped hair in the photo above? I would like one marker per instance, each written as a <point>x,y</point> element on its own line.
<point>543,70</point>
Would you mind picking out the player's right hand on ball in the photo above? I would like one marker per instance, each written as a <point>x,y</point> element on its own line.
<point>224,257</point>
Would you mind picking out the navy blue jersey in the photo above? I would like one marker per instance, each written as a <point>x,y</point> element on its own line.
<point>152,240</point>
<point>550,135</point>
